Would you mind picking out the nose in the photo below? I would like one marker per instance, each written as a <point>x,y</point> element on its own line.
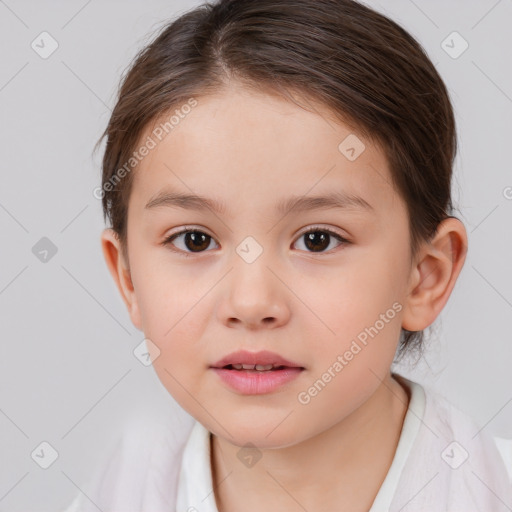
<point>254,296</point>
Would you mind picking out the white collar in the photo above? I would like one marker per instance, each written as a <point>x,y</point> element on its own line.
<point>195,485</point>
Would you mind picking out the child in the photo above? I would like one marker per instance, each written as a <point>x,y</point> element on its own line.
<point>277,177</point>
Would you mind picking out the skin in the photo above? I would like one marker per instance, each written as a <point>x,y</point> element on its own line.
<point>251,150</point>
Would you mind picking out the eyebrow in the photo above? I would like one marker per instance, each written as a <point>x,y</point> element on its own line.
<point>337,200</point>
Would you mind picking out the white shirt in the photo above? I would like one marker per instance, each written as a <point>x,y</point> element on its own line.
<point>195,479</point>
<point>443,462</point>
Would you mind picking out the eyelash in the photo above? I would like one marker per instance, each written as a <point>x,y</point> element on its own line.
<point>189,229</point>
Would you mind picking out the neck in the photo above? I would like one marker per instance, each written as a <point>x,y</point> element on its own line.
<point>340,469</point>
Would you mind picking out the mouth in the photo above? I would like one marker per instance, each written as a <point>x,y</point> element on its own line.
<point>250,381</point>
<point>256,373</point>
<point>262,361</point>
<point>257,368</point>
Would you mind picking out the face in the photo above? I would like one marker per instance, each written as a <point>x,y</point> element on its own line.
<point>319,284</point>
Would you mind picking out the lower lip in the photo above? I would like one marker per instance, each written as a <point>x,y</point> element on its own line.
<point>250,382</point>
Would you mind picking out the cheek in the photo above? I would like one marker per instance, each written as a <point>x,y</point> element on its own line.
<point>174,321</point>
<point>358,295</point>
<point>348,364</point>
<point>360,308</point>
<point>174,314</point>
<point>176,325</point>
<point>165,293</point>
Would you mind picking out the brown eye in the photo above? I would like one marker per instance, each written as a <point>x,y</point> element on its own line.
<point>318,240</point>
<point>193,241</point>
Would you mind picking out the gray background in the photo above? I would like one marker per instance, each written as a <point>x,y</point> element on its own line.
<point>68,375</point>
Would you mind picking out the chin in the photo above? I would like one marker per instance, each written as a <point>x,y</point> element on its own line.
<point>264,433</point>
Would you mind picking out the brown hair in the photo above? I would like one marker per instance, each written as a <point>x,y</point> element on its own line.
<point>360,64</point>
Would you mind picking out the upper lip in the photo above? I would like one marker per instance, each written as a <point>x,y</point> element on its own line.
<point>264,357</point>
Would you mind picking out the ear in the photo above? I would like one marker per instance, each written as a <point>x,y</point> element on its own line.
<point>433,275</point>
<point>120,272</point>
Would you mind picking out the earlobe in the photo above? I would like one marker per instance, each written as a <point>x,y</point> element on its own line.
<point>120,272</point>
<point>434,275</point>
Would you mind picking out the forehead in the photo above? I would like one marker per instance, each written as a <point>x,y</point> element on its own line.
<point>246,148</point>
